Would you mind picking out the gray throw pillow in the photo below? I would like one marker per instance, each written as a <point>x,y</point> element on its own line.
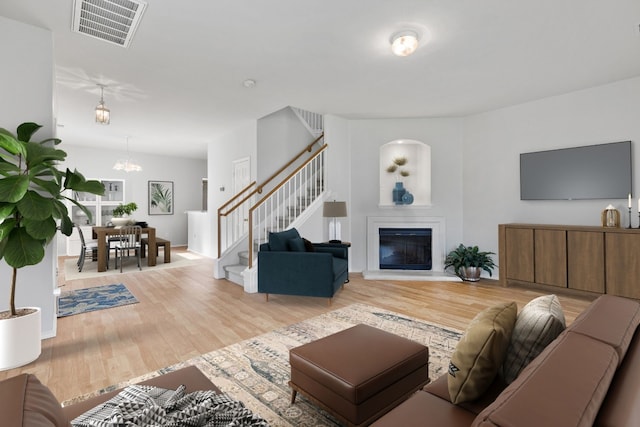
<point>539,323</point>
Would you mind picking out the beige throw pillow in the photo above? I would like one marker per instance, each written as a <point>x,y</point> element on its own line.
<point>479,354</point>
<point>539,323</point>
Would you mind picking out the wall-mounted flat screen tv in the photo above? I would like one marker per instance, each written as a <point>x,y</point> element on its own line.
<point>600,171</point>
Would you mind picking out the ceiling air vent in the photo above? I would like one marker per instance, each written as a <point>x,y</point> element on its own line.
<point>114,21</point>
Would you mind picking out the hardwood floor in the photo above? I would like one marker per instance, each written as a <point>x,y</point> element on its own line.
<point>184,312</point>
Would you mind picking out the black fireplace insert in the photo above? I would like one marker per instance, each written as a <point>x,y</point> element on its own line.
<point>405,248</point>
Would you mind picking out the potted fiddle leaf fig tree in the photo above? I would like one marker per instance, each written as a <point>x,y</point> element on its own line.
<point>32,209</point>
<point>469,261</point>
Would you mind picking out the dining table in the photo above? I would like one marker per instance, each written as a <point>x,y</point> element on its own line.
<point>101,234</point>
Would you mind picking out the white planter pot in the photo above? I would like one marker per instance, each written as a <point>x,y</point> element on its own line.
<point>120,221</point>
<point>20,339</point>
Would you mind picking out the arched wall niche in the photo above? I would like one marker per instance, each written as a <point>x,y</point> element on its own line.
<point>418,166</point>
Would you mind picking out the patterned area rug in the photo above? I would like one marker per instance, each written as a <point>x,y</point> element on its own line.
<point>256,371</point>
<point>92,299</point>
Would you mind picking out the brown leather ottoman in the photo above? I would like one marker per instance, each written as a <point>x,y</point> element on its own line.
<point>358,374</point>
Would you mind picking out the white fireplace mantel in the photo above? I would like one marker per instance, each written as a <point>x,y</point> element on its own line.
<point>437,226</point>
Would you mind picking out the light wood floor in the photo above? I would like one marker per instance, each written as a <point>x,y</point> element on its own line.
<point>184,312</point>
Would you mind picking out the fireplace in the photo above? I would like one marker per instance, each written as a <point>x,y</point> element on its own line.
<point>405,248</point>
<point>435,271</point>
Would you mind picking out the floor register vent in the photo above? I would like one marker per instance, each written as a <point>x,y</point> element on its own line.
<point>114,21</point>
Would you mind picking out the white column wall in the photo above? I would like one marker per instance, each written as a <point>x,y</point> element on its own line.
<point>26,85</point>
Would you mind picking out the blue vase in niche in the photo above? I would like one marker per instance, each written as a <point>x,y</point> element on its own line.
<point>407,199</point>
<point>398,192</point>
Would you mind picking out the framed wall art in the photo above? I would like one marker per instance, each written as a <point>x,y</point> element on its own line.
<point>160,197</point>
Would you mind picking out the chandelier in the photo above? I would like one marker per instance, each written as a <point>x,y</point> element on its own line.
<point>103,115</point>
<point>128,164</point>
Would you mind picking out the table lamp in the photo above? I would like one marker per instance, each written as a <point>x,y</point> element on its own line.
<point>334,210</point>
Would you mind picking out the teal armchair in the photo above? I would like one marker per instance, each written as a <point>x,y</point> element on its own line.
<point>288,265</point>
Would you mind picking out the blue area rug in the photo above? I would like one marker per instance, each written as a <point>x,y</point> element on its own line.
<point>92,299</point>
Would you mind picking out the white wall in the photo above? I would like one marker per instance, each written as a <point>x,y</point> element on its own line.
<point>237,144</point>
<point>493,142</point>
<point>281,135</point>
<point>336,136</point>
<point>26,85</point>
<point>26,76</point>
<point>365,139</point>
<point>185,173</point>
<point>475,163</point>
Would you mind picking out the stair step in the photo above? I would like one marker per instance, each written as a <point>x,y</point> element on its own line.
<point>296,210</point>
<point>283,222</point>
<point>305,200</point>
<point>318,190</point>
<point>234,273</point>
<point>235,268</point>
<point>244,257</point>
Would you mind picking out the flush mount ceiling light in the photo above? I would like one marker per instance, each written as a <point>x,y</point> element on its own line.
<point>128,164</point>
<point>103,115</point>
<point>404,43</point>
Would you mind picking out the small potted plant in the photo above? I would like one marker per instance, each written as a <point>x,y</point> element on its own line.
<point>468,262</point>
<point>32,209</point>
<point>121,214</point>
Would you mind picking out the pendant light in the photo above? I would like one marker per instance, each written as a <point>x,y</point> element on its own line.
<point>103,115</point>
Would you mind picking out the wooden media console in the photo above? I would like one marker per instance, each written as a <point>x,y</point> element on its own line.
<point>583,259</point>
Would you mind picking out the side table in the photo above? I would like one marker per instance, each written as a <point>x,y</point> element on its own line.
<point>341,244</point>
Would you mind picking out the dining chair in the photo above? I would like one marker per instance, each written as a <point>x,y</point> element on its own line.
<point>84,250</point>
<point>111,240</point>
<point>129,241</point>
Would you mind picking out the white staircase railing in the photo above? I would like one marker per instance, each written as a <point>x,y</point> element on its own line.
<point>288,200</point>
<point>314,122</point>
<point>234,216</point>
